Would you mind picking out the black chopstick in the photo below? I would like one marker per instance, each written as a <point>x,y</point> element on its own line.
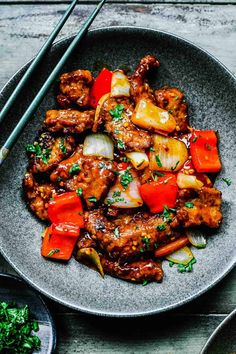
<point>13,137</point>
<point>11,100</point>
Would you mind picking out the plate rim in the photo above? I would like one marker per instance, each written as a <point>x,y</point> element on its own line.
<point>166,308</point>
<point>53,342</point>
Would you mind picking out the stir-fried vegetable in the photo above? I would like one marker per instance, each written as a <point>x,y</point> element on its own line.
<point>99,145</point>
<point>172,247</point>
<point>66,207</point>
<point>16,330</point>
<point>101,85</point>
<point>160,193</point>
<point>188,181</point>
<point>90,255</point>
<point>169,154</point>
<point>125,192</point>
<point>148,116</point>
<point>98,110</point>
<point>138,159</point>
<point>197,239</point>
<point>204,151</point>
<point>120,85</point>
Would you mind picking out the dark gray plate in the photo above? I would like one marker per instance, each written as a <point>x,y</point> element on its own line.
<point>14,289</point>
<point>210,91</point>
<point>223,339</point>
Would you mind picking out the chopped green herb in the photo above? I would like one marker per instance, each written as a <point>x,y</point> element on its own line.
<point>116,194</point>
<point>159,174</point>
<point>120,144</point>
<point>189,205</point>
<point>145,282</point>
<point>194,139</point>
<point>102,165</point>
<point>158,161</point>
<point>152,149</point>
<point>115,198</point>
<point>40,153</point>
<point>166,214</point>
<point>116,232</point>
<point>141,250</point>
<point>92,199</point>
<point>116,113</point>
<point>16,330</point>
<point>79,191</point>
<point>117,173</point>
<point>126,178</point>
<point>161,227</point>
<point>146,242</point>
<point>227,181</point>
<point>75,167</point>
<point>170,111</point>
<point>62,146</point>
<point>59,179</point>
<point>174,167</point>
<point>187,268</point>
<point>124,159</point>
<point>117,131</point>
<point>53,251</point>
<point>176,98</point>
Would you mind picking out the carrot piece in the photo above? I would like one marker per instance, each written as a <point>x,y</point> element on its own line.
<point>171,247</point>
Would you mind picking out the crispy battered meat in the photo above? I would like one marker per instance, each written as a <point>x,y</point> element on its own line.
<point>136,271</point>
<point>69,121</point>
<point>38,195</point>
<point>139,86</point>
<point>204,211</point>
<point>85,241</point>
<point>50,151</point>
<point>94,175</point>
<point>75,87</point>
<point>123,131</point>
<point>128,236</point>
<point>172,99</point>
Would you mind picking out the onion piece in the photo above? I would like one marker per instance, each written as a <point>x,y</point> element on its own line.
<point>98,110</point>
<point>170,154</point>
<point>188,181</point>
<point>120,85</point>
<point>99,145</point>
<point>91,255</point>
<point>148,116</point>
<point>197,239</point>
<point>138,159</point>
<point>128,197</point>
<point>182,256</point>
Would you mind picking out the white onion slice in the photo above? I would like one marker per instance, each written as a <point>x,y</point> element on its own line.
<point>99,145</point>
<point>138,159</point>
<point>197,239</point>
<point>97,112</point>
<point>188,181</point>
<point>168,154</point>
<point>181,256</point>
<point>120,85</point>
<point>148,116</point>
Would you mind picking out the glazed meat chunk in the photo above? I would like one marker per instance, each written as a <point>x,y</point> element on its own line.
<point>137,271</point>
<point>92,174</point>
<point>69,121</point>
<point>47,151</point>
<point>126,135</point>
<point>128,236</point>
<point>172,100</point>
<point>198,207</point>
<point>75,87</point>
<point>38,195</point>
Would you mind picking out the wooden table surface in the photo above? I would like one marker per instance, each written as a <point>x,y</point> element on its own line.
<point>212,25</point>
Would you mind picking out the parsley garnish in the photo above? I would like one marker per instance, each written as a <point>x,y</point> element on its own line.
<point>161,227</point>
<point>116,232</point>
<point>152,149</point>
<point>176,98</point>
<point>145,282</point>
<point>126,178</point>
<point>116,131</point>
<point>189,205</point>
<point>166,213</point>
<point>146,242</point>
<point>116,194</point>
<point>120,144</point>
<point>40,153</point>
<point>79,191</point>
<point>170,111</point>
<point>92,199</point>
<point>187,268</point>
<point>75,167</point>
<point>158,161</point>
<point>115,198</point>
<point>102,165</point>
<point>174,167</point>
<point>194,139</point>
<point>116,113</point>
<point>62,146</point>
<point>227,181</point>
<point>53,251</point>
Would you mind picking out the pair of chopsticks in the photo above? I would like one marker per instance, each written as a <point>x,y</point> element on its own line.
<point>13,137</point>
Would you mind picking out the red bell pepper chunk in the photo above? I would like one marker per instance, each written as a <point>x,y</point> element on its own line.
<point>161,193</point>
<point>101,86</point>
<point>58,246</point>
<point>66,229</point>
<point>66,207</point>
<point>204,151</point>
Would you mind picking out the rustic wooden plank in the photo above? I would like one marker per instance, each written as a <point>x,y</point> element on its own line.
<point>170,334</point>
<point>24,28</point>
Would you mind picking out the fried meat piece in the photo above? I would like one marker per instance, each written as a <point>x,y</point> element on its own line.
<point>198,207</point>
<point>139,87</point>
<point>75,87</point>
<point>38,195</point>
<point>69,121</point>
<point>138,271</point>
<point>91,173</point>
<point>172,100</point>
<point>85,240</point>
<point>128,137</point>
<point>128,236</point>
<point>47,151</point>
